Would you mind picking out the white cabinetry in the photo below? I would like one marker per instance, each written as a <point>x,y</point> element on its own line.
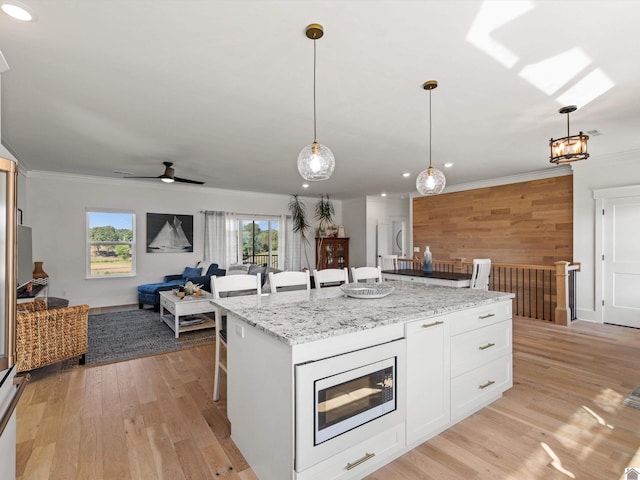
<point>359,460</point>
<point>481,358</point>
<point>427,377</point>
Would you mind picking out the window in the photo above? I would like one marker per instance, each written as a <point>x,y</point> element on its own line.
<point>111,243</point>
<point>258,239</point>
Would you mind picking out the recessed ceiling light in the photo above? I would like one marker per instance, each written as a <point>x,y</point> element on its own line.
<point>406,174</point>
<point>18,10</point>
<point>305,185</point>
<point>447,165</point>
<point>383,194</point>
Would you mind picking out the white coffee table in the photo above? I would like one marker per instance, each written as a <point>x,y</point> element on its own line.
<point>189,305</point>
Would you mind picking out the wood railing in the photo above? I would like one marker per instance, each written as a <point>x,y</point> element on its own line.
<point>544,292</point>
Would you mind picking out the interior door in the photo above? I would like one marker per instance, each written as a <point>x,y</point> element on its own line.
<point>621,261</point>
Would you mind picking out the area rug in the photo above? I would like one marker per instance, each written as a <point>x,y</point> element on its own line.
<point>118,336</point>
<point>633,400</point>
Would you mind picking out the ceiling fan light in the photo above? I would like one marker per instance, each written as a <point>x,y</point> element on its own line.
<point>316,162</point>
<point>430,181</point>
<point>167,179</point>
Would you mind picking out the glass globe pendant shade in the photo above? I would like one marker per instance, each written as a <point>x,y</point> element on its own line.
<point>430,181</point>
<point>316,162</point>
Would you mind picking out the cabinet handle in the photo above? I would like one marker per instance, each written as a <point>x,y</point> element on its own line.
<point>434,324</point>
<point>367,456</point>
<point>488,384</point>
<point>488,345</point>
<point>488,315</point>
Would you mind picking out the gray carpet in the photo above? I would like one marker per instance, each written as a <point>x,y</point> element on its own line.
<point>633,400</point>
<point>118,336</point>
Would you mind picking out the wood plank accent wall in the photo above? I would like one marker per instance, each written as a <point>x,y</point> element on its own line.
<point>524,223</point>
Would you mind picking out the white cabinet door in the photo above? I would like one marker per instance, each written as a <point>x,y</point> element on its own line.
<point>428,407</point>
<point>8,437</point>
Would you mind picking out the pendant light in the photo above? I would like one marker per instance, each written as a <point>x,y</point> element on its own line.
<point>430,181</point>
<point>570,148</point>
<point>315,162</point>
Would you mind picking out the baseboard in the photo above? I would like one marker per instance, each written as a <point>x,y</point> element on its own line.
<point>116,308</point>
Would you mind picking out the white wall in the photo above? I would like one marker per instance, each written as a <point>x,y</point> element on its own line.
<point>56,212</point>
<point>355,223</point>
<point>587,177</point>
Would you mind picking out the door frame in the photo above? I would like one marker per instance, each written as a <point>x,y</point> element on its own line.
<point>601,196</point>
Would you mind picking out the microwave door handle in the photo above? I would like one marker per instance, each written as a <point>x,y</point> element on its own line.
<point>21,383</point>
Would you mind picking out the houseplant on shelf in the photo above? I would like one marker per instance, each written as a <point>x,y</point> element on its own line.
<point>324,212</point>
<point>300,224</point>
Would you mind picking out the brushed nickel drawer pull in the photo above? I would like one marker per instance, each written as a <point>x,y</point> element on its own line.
<point>434,324</point>
<point>488,345</point>
<point>367,456</point>
<point>488,315</point>
<point>488,384</point>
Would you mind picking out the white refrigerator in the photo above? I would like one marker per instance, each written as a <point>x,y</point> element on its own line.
<point>11,387</point>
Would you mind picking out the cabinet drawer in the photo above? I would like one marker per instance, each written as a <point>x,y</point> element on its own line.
<point>475,348</point>
<point>360,460</point>
<point>477,388</point>
<point>479,317</point>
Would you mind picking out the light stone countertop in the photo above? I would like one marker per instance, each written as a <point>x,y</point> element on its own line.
<point>304,316</point>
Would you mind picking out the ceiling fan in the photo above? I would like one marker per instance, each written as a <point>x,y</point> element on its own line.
<point>169,177</point>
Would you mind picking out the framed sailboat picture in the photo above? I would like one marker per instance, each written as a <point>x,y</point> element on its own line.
<point>169,233</point>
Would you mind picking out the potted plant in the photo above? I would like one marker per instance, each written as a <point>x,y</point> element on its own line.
<point>300,224</point>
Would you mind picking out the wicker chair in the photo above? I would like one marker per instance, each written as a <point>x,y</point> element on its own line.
<point>46,336</point>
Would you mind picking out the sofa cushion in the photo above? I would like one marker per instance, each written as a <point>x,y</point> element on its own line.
<point>191,272</point>
<point>154,288</point>
<point>238,269</point>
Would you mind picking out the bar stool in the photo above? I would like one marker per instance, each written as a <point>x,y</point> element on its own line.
<point>245,284</point>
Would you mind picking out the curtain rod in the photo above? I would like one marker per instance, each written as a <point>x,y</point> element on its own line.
<point>244,214</point>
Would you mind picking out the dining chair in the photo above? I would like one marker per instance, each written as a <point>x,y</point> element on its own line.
<point>388,262</point>
<point>331,276</point>
<point>480,273</point>
<point>366,274</point>
<point>229,284</point>
<point>289,279</point>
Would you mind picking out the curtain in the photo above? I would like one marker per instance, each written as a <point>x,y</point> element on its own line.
<point>221,238</point>
<point>293,246</point>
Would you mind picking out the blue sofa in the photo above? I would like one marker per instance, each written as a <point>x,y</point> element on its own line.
<point>149,294</point>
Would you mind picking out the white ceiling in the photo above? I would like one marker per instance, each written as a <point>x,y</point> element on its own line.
<point>224,88</point>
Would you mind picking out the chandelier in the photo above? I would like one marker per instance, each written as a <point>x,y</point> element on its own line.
<point>570,148</point>
<point>430,181</point>
<point>315,161</point>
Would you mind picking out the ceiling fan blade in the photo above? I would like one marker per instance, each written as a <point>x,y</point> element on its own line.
<point>186,180</point>
<point>140,177</point>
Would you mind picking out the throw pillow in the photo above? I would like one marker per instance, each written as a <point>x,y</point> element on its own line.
<point>190,272</point>
<point>266,286</point>
<point>238,269</point>
<point>255,269</point>
<point>204,265</point>
<point>212,269</point>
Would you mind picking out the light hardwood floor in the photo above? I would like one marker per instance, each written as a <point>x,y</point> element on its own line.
<point>153,418</point>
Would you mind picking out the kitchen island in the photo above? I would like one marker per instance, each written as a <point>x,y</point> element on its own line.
<point>281,345</point>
